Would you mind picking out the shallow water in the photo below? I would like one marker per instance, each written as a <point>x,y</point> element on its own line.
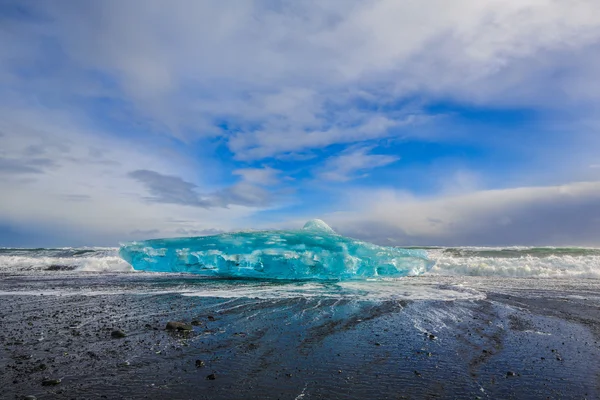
<point>284,340</point>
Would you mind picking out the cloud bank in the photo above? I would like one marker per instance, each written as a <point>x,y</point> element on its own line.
<point>556,215</point>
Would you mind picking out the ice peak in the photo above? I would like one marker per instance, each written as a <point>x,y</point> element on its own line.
<point>318,225</point>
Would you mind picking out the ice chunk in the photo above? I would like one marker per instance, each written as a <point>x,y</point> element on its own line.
<point>314,252</point>
<point>318,225</point>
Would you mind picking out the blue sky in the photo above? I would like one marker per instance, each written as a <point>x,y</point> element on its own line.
<point>399,122</point>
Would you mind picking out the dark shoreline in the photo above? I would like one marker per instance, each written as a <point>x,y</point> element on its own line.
<point>503,346</point>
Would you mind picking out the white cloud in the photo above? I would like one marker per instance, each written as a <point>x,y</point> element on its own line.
<point>461,181</point>
<point>282,141</point>
<point>552,215</point>
<point>352,164</point>
<point>285,71</point>
<point>261,176</point>
<point>85,195</point>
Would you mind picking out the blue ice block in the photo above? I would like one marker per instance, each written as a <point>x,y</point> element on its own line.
<point>313,252</point>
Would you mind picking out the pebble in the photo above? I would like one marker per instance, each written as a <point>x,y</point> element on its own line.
<point>51,382</point>
<point>178,326</point>
<point>117,334</point>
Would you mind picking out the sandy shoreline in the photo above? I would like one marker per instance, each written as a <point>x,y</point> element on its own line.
<point>503,346</point>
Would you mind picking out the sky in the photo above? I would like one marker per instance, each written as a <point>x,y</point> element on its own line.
<point>399,122</point>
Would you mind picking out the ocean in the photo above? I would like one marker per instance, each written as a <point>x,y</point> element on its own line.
<point>530,262</point>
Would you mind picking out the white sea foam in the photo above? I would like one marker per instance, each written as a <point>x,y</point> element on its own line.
<point>467,261</point>
<point>81,259</point>
<point>399,289</point>
<point>551,266</point>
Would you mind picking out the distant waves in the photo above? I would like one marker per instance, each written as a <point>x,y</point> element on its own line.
<point>62,259</point>
<point>542,262</point>
<point>531,262</point>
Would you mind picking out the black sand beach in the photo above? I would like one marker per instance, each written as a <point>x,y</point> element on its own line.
<point>525,339</point>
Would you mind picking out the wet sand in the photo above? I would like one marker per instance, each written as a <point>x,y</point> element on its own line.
<point>521,341</point>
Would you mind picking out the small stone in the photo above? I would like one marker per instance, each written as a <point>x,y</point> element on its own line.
<point>51,382</point>
<point>117,334</point>
<point>417,373</point>
<point>41,367</point>
<point>30,397</point>
<point>432,336</point>
<point>211,377</point>
<point>510,373</point>
<point>196,322</point>
<point>377,344</point>
<point>211,318</point>
<point>200,364</point>
<point>178,326</point>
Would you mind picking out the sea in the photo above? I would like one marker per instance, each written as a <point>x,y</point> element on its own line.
<point>457,273</point>
<point>523,262</point>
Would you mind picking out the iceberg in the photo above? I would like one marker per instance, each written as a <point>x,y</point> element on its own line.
<point>314,252</point>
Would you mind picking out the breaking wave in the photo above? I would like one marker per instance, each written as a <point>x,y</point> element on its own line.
<point>93,259</point>
<point>528,262</point>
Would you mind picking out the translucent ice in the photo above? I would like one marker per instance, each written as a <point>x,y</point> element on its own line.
<point>314,252</point>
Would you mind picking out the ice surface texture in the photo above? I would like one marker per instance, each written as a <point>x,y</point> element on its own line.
<point>314,252</point>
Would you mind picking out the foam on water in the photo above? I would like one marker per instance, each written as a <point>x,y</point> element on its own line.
<point>96,259</point>
<point>398,289</point>
<point>523,262</point>
<point>160,284</point>
<point>458,274</point>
